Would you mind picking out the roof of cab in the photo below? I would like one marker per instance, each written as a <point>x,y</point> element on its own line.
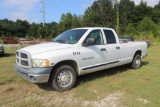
<point>92,28</point>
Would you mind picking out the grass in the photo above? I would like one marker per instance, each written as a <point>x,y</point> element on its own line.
<point>138,88</point>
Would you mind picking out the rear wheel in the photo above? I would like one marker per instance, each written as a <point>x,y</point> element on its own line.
<point>136,63</point>
<point>63,78</point>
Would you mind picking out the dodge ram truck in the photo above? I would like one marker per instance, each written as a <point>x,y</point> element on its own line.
<point>76,52</point>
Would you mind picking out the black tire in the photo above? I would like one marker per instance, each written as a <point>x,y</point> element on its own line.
<point>63,78</point>
<point>136,63</point>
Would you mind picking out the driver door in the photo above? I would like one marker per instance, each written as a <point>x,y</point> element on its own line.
<point>93,57</point>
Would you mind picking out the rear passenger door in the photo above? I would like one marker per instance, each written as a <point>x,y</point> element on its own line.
<point>112,48</point>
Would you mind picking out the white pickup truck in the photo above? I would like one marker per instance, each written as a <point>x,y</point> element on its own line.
<point>76,52</point>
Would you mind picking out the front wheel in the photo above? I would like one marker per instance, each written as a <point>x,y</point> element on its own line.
<point>63,78</point>
<point>136,63</point>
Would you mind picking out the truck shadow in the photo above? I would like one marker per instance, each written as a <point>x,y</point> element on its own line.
<point>7,55</point>
<point>45,86</point>
<point>101,74</point>
<point>144,63</point>
<point>104,73</point>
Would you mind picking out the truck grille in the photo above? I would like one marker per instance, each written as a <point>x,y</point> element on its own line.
<point>24,56</point>
<point>23,59</point>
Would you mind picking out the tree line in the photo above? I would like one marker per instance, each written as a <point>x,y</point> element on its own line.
<point>125,17</point>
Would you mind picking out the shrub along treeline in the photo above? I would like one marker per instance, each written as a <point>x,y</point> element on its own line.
<point>134,20</point>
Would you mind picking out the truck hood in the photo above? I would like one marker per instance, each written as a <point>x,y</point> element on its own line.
<point>45,47</point>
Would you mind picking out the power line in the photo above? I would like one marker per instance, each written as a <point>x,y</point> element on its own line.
<point>44,5</point>
<point>50,18</point>
<point>33,1</point>
<point>72,4</point>
<point>52,14</point>
<point>18,10</point>
<point>59,7</point>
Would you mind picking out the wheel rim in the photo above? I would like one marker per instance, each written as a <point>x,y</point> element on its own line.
<point>138,63</point>
<point>64,78</point>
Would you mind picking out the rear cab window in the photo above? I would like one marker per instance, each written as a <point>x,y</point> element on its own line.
<point>110,37</point>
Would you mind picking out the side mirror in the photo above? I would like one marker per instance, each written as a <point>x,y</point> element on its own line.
<point>90,41</point>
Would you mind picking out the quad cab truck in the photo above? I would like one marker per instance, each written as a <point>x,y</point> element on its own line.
<point>76,52</point>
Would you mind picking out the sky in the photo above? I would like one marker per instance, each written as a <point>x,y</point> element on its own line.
<point>31,10</point>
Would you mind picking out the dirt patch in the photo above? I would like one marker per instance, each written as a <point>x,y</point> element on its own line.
<point>144,101</point>
<point>112,100</point>
<point>65,101</point>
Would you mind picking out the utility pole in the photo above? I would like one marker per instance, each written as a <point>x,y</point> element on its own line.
<point>43,11</point>
<point>113,3</point>
<point>117,19</point>
<point>117,28</point>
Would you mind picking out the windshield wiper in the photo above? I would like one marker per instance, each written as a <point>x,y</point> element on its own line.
<point>61,41</point>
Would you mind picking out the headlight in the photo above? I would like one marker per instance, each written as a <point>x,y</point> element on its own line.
<point>40,63</point>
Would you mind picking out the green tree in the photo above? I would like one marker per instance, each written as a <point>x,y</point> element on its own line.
<point>130,29</point>
<point>65,22</point>
<point>147,26</point>
<point>21,27</point>
<point>89,18</point>
<point>156,13</point>
<point>141,11</point>
<point>54,30</point>
<point>32,32</point>
<point>47,31</point>
<point>41,31</point>
<point>100,14</point>
<point>126,10</point>
<point>7,27</point>
<point>75,21</point>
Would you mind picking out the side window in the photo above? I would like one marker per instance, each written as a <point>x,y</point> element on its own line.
<point>110,37</point>
<point>97,36</point>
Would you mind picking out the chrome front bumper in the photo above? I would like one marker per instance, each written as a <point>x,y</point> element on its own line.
<point>34,75</point>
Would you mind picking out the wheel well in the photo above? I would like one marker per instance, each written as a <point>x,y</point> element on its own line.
<point>67,62</point>
<point>139,52</point>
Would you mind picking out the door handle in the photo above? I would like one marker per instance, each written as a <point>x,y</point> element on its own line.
<point>118,47</point>
<point>103,49</point>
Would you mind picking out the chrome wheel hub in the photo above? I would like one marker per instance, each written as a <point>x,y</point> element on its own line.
<point>64,78</point>
<point>138,62</point>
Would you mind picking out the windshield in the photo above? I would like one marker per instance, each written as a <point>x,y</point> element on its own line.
<point>70,36</point>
